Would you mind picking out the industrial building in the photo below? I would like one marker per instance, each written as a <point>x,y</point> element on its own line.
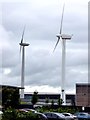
<point>42,97</point>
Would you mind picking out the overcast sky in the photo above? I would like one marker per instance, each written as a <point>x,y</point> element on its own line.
<point>42,66</point>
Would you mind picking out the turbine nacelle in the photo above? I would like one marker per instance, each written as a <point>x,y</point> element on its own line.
<point>24,44</point>
<point>64,36</point>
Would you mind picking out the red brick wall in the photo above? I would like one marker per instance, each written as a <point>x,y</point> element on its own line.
<point>82,95</point>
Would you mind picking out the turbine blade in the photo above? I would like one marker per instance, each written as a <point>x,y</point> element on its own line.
<point>22,38</point>
<point>23,35</point>
<point>56,44</point>
<point>62,19</point>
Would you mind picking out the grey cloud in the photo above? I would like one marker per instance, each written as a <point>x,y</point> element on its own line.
<point>42,22</point>
<point>9,58</point>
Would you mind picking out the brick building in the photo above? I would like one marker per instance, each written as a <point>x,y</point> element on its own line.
<point>83,94</point>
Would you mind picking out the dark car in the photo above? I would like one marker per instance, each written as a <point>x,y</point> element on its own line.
<point>41,116</point>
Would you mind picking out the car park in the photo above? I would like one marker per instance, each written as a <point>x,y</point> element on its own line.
<point>55,116</point>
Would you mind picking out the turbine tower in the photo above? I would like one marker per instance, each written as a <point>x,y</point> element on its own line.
<point>22,49</point>
<point>63,38</point>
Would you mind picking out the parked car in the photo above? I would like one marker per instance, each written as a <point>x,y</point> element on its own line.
<point>1,115</point>
<point>41,116</point>
<point>82,115</point>
<point>55,116</point>
<point>30,110</point>
<point>70,116</point>
<point>22,110</point>
<point>27,110</point>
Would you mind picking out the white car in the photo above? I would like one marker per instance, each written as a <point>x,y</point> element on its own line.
<point>55,116</point>
<point>1,112</point>
<point>70,116</point>
<point>1,115</point>
<point>31,110</point>
<point>27,110</point>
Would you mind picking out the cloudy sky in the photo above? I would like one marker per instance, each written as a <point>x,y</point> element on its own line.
<point>42,66</point>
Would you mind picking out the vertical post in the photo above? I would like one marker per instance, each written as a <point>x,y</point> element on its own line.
<point>22,73</point>
<point>63,72</point>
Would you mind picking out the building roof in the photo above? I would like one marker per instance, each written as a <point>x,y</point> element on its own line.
<point>11,86</point>
<point>82,84</point>
<point>43,93</point>
<point>47,93</point>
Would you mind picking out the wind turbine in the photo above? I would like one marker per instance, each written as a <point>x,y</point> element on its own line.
<point>22,49</point>
<point>63,38</point>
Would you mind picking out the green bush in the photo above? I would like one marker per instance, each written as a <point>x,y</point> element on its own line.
<point>60,109</point>
<point>9,114</point>
<point>10,97</point>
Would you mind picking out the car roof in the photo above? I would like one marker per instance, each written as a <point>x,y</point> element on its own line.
<point>1,112</point>
<point>59,114</point>
<point>81,113</point>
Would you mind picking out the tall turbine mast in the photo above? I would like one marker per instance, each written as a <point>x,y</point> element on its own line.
<point>63,38</point>
<point>22,48</point>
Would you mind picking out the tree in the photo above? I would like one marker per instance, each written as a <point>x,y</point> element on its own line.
<point>52,102</point>
<point>34,98</point>
<point>47,100</point>
<point>60,101</point>
<point>10,97</point>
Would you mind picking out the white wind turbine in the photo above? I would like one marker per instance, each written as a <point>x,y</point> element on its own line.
<point>22,49</point>
<point>63,38</point>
